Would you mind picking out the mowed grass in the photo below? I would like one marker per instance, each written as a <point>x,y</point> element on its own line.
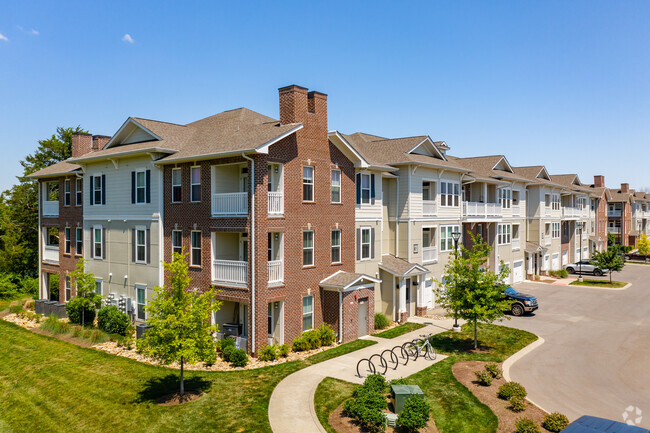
<point>599,283</point>
<point>454,408</point>
<point>399,330</point>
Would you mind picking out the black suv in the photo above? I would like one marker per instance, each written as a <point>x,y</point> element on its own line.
<point>521,303</point>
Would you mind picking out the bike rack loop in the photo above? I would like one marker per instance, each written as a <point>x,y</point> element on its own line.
<point>371,366</point>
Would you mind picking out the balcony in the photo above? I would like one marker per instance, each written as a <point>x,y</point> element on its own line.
<point>429,208</point>
<point>614,230</point>
<point>614,213</point>
<point>476,209</point>
<point>516,244</point>
<point>50,208</point>
<point>516,210</point>
<point>429,254</point>
<point>229,272</point>
<point>231,203</point>
<point>51,253</point>
<point>276,203</point>
<point>276,271</point>
<point>548,211</point>
<point>547,240</point>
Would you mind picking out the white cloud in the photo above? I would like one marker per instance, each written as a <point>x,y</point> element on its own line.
<point>34,32</point>
<point>29,32</point>
<point>127,38</point>
<point>3,37</point>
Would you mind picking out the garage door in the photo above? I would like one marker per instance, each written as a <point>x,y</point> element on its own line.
<point>556,261</point>
<point>565,257</point>
<point>518,272</point>
<point>547,262</point>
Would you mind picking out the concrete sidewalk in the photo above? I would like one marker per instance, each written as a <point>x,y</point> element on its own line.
<point>291,408</point>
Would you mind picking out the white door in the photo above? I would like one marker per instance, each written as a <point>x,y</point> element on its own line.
<point>556,261</point>
<point>565,257</point>
<point>518,272</point>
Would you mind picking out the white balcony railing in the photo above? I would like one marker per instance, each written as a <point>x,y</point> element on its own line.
<point>429,208</point>
<point>276,203</point>
<point>276,271</point>
<point>50,208</point>
<point>51,253</point>
<point>232,203</point>
<point>614,230</point>
<point>516,210</point>
<point>516,244</point>
<point>429,254</point>
<point>230,271</point>
<point>613,213</point>
<point>547,240</point>
<point>475,209</point>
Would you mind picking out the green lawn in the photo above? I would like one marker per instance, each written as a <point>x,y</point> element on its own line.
<point>455,408</point>
<point>50,385</point>
<point>400,330</point>
<point>599,283</point>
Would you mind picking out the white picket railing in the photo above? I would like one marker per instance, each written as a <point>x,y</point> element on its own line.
<point>547,240</point>
<point>429,254</point>
<point>476,209</point>
<point>276,271</point>
<point>276,203</point>
<point>516,244</point>
<point>230,271</point>
<point>50,208</point>
<point>51,253</point>
<point>429,208</point>
<point>231,203</point>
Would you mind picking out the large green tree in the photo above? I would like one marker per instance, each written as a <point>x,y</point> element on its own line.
<point>610,259</point>
<point>180,320</point>
<point>19,206</point>
<point>470,290</point>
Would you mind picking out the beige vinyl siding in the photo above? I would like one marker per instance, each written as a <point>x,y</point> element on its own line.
<point>369,210</point>
<point>369,266</point>
<point>225,178</point>
<point>137,136</point>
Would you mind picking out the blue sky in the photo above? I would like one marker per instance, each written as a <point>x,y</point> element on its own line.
<point>564,84</point>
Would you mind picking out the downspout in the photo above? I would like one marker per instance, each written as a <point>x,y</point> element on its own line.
<point>41,284</point>
<point>397,219</point>
<point>252,245</point>
<point>340,317</point>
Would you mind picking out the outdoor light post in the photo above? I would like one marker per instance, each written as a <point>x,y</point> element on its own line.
<point>580,255</point>
<point>455,236</point>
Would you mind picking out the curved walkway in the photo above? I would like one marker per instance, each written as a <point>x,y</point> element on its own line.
<point>291,408</point>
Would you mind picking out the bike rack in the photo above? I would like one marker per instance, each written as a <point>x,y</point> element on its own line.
<point>394,359</point>
<point>371,366</point>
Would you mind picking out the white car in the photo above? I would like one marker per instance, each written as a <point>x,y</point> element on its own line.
<point>585,266</point>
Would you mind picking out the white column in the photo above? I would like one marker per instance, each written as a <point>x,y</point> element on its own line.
<point>340,317</point>
<point>402,295</point>
<point>394,281</point>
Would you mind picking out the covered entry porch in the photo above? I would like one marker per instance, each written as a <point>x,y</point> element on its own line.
<point>536,260</point>
<point>403,288</point>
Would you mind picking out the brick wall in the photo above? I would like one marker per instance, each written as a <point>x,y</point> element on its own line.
<point>351,312</point>
<point>601,219</point>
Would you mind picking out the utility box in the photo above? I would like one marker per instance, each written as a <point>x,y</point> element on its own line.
<point>140,329</point>
<point>401,393</point>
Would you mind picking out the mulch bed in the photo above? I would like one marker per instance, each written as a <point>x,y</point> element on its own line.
<point>464,373</point>
<point>176,398</point>
<point>344,424</point>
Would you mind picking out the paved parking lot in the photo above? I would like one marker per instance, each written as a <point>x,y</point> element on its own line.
<point>596,358</point>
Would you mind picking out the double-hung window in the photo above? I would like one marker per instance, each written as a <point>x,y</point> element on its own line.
<point>336,186</point>
<point>307,313</point>
<point>365,188</point>
<point>504,234</point>
<point>98,286</point>
<point>97,190</point>
<point>98,242</point>
<point>79,239</point>
<point>449,194</point>
<point>195,184</point>
<point>66,192</point>
<point>556,230</point>
<point>177,242</point>
<point>308,248</point>
<point>308,183</point>
<point>67,240</point>
<point>196,248</point>
<point>446,238</point>
<point>176,185</point>
<point>140,245</point>
<point>140,187</point>
<point>141,293</point>
<point>366,244</point>
<point>555,204</point>
<point>505,197</point>
<point>68,288</point>
<point>336,246</point>
<point>78,190</point>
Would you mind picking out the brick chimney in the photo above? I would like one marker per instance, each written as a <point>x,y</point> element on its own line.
<point>625,187</point>
<point>99,141</point>
<point>81,144</point>
<point>298,105</point>
<point>599,181</point>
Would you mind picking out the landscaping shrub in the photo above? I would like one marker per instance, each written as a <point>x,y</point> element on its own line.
<point>313,339</point>
<point>29,286</point>
<point>284,350</point>
<point>368,403</point>
<point>97,336</point>
<point>494,370</point>
<point>414,415</point>
<point>326,335</point>
<point>8,286</point>
<point>526,425</point>
<point>225,342</point>
<point>300,344</point>
<point>79,309</point>
<point>483,377</point>
<point>238,358</point>
<point>122,341</point>
<point>555,422</point>
<point>226,352</point>
<point>112,321</point>
<point>54,326</point>
<point>29,305</point>
<point>381,321</point>
<point>562,273</point>
<point>375,382</point>
<point>510,389</point>
<point>517,404</point>
<point>268,353</point>
<point>77,331</point>
<point>16,309</point>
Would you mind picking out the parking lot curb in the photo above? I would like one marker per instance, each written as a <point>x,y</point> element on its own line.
<point>517,356</point>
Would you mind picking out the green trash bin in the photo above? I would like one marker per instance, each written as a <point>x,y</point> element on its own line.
<point>401,393</point>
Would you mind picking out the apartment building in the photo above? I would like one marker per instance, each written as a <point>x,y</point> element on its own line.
<point>640,216</point>
<point>619,214</point>
<point>600,195</point>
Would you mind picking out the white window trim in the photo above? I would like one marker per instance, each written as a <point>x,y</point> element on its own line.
<point>137,304</point>
<point>101,286</point>
<point>518,232</point>
<point>94,242</point>
<point>180,184</point>
<point>78,191</point>
<point>336,170</point>
<point>447,194</point>
<point>369,189</point>
<point>192,248</point>
<point>553,232</point>
<point>192,168</point>
<point>67,243</point>
<point>67,194</point>
<point>144,187</point>
<point>144,245</point>
<point>94,190</point>
<point>339,246</point>
<point>504,234</point>
<point>443,229</point>
<point>312,183</point>
<point>313,252</point>
<point>312,314</point>
<point>361,243</point>
<point>68,288</point>
<point>181,239</point>
<point>78,241</point>
<point>505,196</point>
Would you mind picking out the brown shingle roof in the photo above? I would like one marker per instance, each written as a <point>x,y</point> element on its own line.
<point>531,172</point>
<point>482,168</point>
<point>343,279</point>
<point>58,169</point>
<point>618,196</point>
<point>398,266</point>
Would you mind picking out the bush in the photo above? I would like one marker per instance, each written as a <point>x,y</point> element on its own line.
<point>308,341</point>
<point>16,309</point>
<point>562,273</point>
<point>326,335</point>
<point>268,353</point>
<point>226,342</point>
<point>97,336</point>
<point>54,326</point>
<point>226,352</point>
<point>526,425</point>
<point>78,309</point>
<point>483,377</point>
<point>313,339</point>
<point>29,286</point>
<point>555,422</point>
<point>381,321</point>
<point>284,350</point>
<point>368,403</point>
<point>517,404</point>
<point>414,415</point>
<point>511,389</point>
<point>8,286</point>
<point>112,321</point>
<point>238,358</point>
<point>494,370</point>
<point>375,383</point>
<point>300,344</point>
